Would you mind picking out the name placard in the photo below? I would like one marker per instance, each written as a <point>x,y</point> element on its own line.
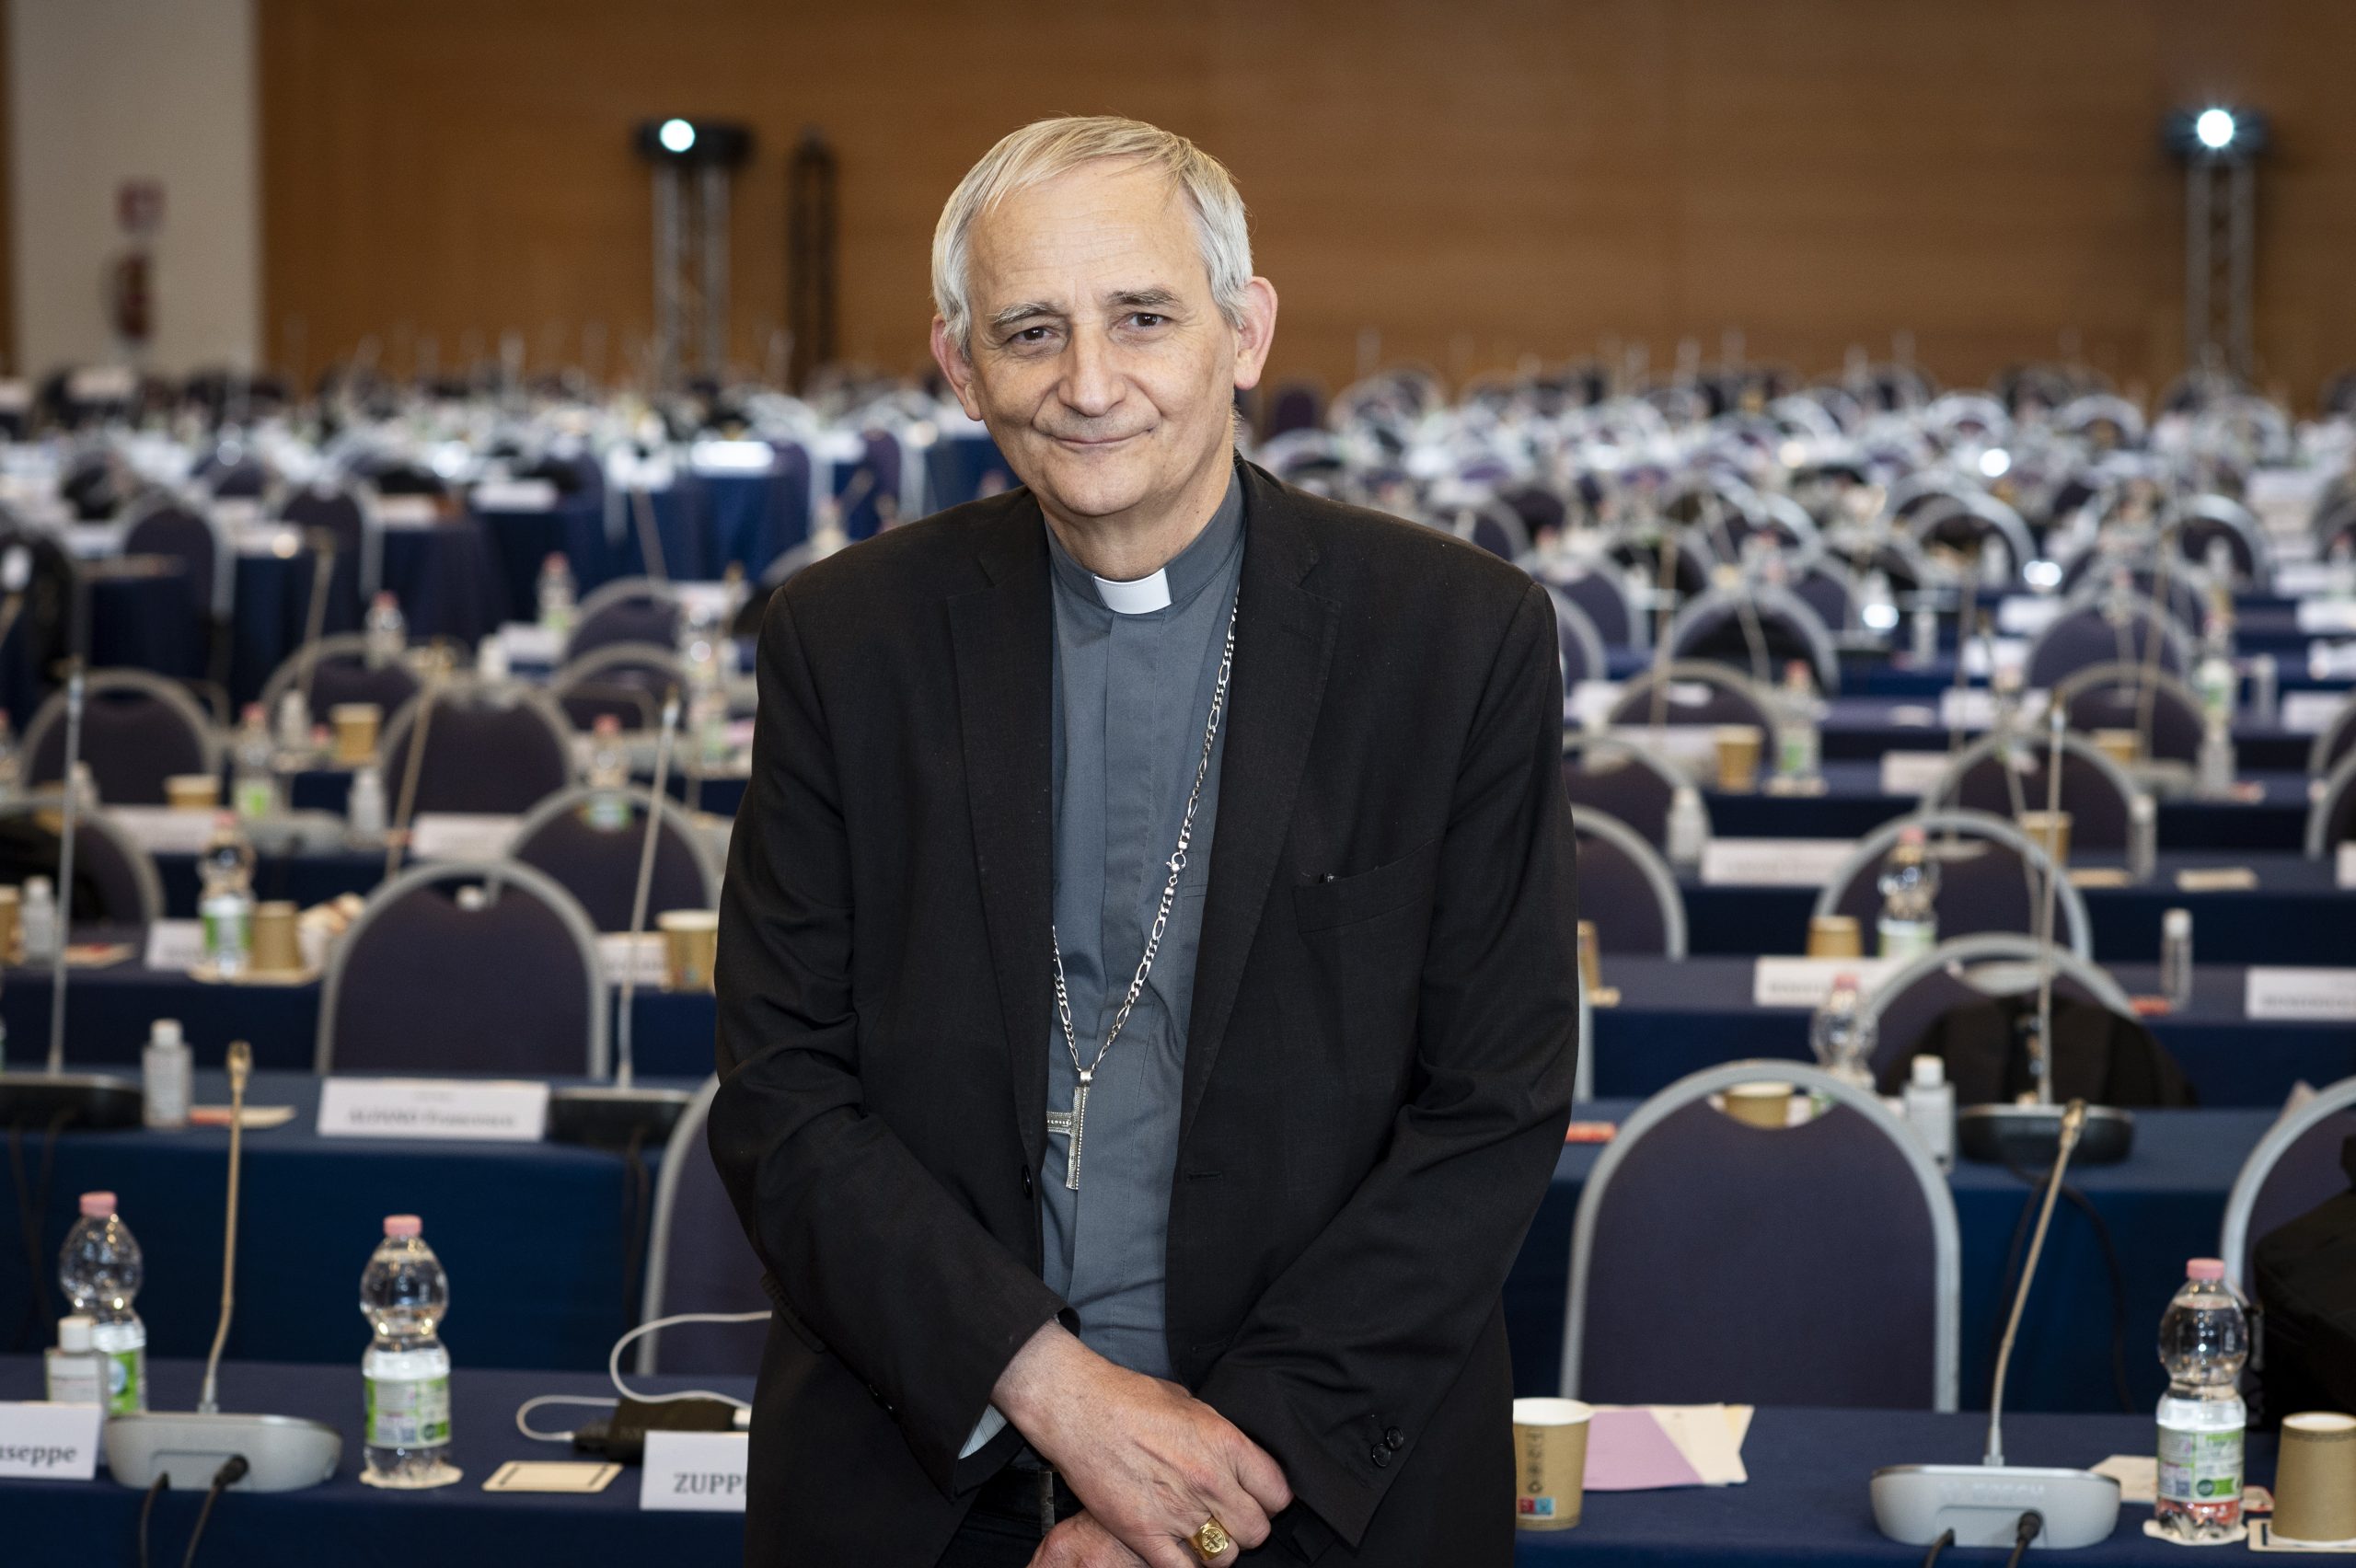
<point>1805,981</point>
<point>1912,773</point>
<point>1774,862</point>
<point>2345,870</point>
<point>1985,655</point>
<point>2311,712</point>
<point>514,495</point>
<point>165,830</point>
<point>486,1110</point>
<point>527,642</point>
<point>1974,708</point>
<point>406,511</point>
<point>2286,995</point>
<point>50,1442</point>
<point>2025,615</point>
<point>101,384</point>
<point>1691,749</point>
<point>2318,616</point>
<point>175,945</point>
<point>461,835</point>
<point>641,957</point>
<point>693,1472</point>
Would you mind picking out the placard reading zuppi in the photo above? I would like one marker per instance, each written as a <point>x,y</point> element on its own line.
<point>696,1472</point>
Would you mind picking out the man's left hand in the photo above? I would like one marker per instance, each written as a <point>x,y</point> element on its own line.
<point>1080,1542</point>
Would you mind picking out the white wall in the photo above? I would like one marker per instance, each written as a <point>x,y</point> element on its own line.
<point>100,91</point>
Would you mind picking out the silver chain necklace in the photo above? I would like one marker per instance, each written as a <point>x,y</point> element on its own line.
<point>1068,1124</point>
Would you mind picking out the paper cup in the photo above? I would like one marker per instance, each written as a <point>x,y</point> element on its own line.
<point>11,934</point>
<point>2315,1480</point>
<point>192,792</point>
<point>1738,746</point>
<point>690,944</point>
<point>1834,936</point>
<point>1762,1104</point>
<point>355,731</point>
<point>1590,960</point>
<point>1549,1462</point>
<point>278,946</point>
<point>2050,830</point>
<point>2124,747</point>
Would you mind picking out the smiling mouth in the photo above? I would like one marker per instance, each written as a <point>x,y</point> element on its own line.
<point>1090,443</point>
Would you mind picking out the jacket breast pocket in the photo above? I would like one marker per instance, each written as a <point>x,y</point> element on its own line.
<point>1363,895</point>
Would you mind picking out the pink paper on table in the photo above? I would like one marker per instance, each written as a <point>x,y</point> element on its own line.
<point>1628,1451</point>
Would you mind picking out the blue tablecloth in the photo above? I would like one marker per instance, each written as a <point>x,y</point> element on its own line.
<point>2297,914</point>
<point>1806,1503</point>
<point>2164,1203</point>
<point>346,1523</point>
<point>523,540</point>
<point>1676,1017</point>
<point>535,1236</point>
<point>1860,729</point>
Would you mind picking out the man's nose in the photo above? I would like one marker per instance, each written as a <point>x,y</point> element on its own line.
<point>1090,386</point>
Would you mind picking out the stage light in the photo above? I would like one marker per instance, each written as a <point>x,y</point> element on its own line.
<point>677,135</point>
<point>2216,134</point>
<point>2215,127</point>
<point>1995,462</point>
<point>2042,574</point>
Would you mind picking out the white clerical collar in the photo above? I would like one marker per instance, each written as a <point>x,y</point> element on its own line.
<point>1141,597</point>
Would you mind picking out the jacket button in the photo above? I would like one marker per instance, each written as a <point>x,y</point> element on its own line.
<point>1394,1439</point>
<point>1026,1183</point>
<point>1380,1457</point>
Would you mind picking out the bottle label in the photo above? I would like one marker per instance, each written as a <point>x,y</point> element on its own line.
<point>226,937</point>
<point>408,1413</point>
<point>1906,938</point>
<point>255,796</point>
<point>2199,1467</point>
<point>124,1367</point>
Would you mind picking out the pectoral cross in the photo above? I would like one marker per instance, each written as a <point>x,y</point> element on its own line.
<point>1067,1125</point>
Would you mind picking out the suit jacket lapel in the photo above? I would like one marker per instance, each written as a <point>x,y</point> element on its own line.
<point>1284,644</point>
<point>1004,640</point>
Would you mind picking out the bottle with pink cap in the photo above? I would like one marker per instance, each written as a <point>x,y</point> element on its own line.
<point>2204,1340</point>
<point>99,1268</point>
<point>405,1437</point>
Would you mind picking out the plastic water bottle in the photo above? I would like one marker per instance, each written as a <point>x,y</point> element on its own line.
<point>1929,1103</point>
<point>254,786</point>
<point>2214,765</point>
<point>403,1294</point>
<point>164,1075</point>
<point>2175,958</point>
<point>38,927</point>
<point>293,719</point>
<point>608,808</point>
<point>227,903</point>
<point>1908,925</point>
<point>2215,679</point>
<point>99,1270</point>
<point>1688,827</point>
<point>364,807</point>
<point>1840,1036</point>
<point>1796,743</point>
<point>385,633</point>
<point>2204,1339</point>
<point>556,594</point>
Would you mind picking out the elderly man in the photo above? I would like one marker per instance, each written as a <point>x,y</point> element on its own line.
<point>1147,969</point>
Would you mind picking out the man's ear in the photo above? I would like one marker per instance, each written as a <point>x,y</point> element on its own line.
<point>950,355</point>
<point>1257,335</point>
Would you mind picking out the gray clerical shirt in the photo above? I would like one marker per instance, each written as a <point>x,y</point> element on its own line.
<point>1135,665</point>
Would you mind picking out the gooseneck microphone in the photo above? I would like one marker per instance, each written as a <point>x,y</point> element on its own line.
<point>1985,1505</point>
<point>188,1449</point>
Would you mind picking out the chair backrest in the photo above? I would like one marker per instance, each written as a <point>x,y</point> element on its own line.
<point>1703,1248</point>
<point>1986,877</point>
<point>2337,740</point>
<point>2203,518</point>
<point>1627,889</point>
<point>420,983</point>
<point>337,512</point>
<point>628,680</point>
<point>2331,820</point>
<point>599,865</point>
<point>1604,600</point>
<point>2110,695</point>
<point>114,876</point>
<point>1830,590</point>
<point>2115,631</point>
<point>2096,791</point>
<point>1603,773</point>
<point>627,609</point>
<point>1963,969</point>
<point>1974,519</point>
<point>1581,646</point>
<point>698,1261</point>
<point>2294,1167</point>
<point>180,534</point>
<point>334,671</point>
<point>1697,692</point>
<point>490,746</point>
<point>1747,628</point>
<point>137,731</point>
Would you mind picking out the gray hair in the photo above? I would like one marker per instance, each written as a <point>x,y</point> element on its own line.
<point>1045,148</point>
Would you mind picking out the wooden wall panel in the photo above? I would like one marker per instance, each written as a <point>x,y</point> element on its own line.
<point>1474,180</point>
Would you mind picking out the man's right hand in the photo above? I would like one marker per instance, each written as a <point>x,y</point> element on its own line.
<point>1149,1460</point>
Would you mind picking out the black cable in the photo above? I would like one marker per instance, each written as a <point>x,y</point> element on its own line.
<point>2032,1525</point>
<point>2117,1277</point>
<point>636,1200</point>
<point>233,1470</point>
<point>1947,1539</point>
<point>146,1507</point>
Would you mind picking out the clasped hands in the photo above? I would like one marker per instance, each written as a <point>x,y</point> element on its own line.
<point>1149,1460</point>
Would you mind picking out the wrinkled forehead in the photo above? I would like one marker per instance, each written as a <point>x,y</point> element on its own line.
<point>1089,235</point>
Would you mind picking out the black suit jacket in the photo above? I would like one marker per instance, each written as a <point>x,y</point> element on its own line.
<point>1377,1079</point>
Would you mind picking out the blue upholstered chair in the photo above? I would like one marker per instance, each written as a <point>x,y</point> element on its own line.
<point>627,680</point>
<point>2111,695</point>
<point>2294,1167</point>
<point>627,609</point>
<point>1603,773</point>
<point>1902,1009</point>
<point>1990,879</point>
<point>490,746</point>
<point>599,865</point>
<point>334,671</point>
<point>137,731</point>
<point>698,1261</point>
<point>2115,629</point>
<point>1714,1261</point>
<point>1697,692</point>
<point>1626,889</point>
<point>2096,791</point>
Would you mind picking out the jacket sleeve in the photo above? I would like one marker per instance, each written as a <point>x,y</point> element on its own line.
<point>871,1258</point>
<point>1351,1348</point>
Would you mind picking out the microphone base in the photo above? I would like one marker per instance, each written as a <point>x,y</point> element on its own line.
<point>89,1101</point>
<point>605,1116</point>
<point>1983,1504</point>
<point>2030,1135</point>
<point>284,1453</point>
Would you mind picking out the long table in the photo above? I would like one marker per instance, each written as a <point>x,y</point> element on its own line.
<point>1807,1500</point>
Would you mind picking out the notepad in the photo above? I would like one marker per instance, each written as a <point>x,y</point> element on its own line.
<point>1654,1448</point>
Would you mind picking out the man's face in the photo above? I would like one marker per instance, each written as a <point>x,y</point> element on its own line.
<point>1097,357</point>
